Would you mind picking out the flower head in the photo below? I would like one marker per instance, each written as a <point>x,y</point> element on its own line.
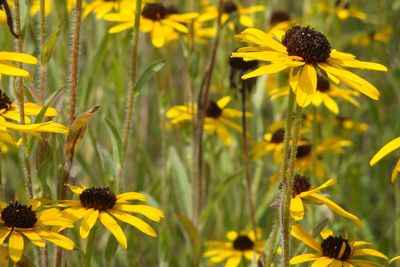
<point>103,7</point>
<point>20,222</point>
<point>243,245</point>
<point>333,250</point>
<point>303,193</point>
<point>99,203</point>
<point>304,51</point>
<point>217,120</point>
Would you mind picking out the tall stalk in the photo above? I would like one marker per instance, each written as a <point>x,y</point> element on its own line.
<point>73,74</point>
<point>131,93</point>
<point>42,46</point>
<point>287,192</point>
<point>246,160</point>
<point>199,121</point>
<point>19,86</point>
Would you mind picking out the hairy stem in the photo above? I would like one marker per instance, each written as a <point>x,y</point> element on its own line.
<point>270,244</point>
<point>131,93</point>
<point>42,46</point>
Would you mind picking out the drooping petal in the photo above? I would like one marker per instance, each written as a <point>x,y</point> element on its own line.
<point>369,252</point>
<point>16,246</point>
<point>150,212</point>
<point>34,238</point>
<point>57,239</point>
<point>267,69</point>
<point>114,228</point>
<point>296,208</point>
<point>308,80</point>
<point>134,221</point>
<point>395,172</point>
<point>157,35</point>
<point>233,261</point>
<point>322,262</point>
<point>19,57</point>
<point>301,234</point>
<point>303,258</point>
<point>386,149</point>
<point>87,223</point>
<point>4,232</point>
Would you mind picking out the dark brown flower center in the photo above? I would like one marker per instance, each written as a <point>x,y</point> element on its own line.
<point>322,84</point>
<point>101,198</point>
<point>337,248</point>
<point>300,184</point>
<point>303,151</point>
<point>307,43</point>
<point>154,11</point>
<point>243,243</point>
<point>279,16</point>
<point>230,7</point>
<point>242,65</point>
<point>343,4</point>
<point>19,216</point>
<point>278,136</point>
<point>213,110</point>
<point>169,10</point>
<point>5,102</point>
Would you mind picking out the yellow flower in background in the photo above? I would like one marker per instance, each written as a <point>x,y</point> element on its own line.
<point>304,51</point>
<point>35,7</point>
<point>349,124</point>
<point>344,11</point>
<point>325,94</point>
<point>383,35</point>
<point>102,204</point>
<point>156,19</point>
<point>103,7</point>
<point>280,21</point>
<point>334,251</point>
<point>304,159</point>
<point>383,152</point>
<point>10,112</point>
<point>6,68</point>
<point>230,8</point>
<point>20,222</point>
<point>217,118</point>
<point>240,246</point>
<point>303,194</point>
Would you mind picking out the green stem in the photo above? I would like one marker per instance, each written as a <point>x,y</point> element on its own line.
<point>131,93</point>
<point>397,218</point>
<point>287,192</point>
<point>270,244</point>
<point>42,46</point>
<point>90,245</point>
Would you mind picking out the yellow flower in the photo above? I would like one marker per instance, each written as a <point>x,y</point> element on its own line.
<point>304,51</point>
<point>9,111</point>
<point>334,251</point>
<point>231,8</point>
<point>244,245</point>
<point>35,7</point>
<point>350,124</point>
<point>303,193</point>
<point>21,222</point>
<point>325,94</point>
<point>6,68</point>
<point>280,21</point>
<point>103,7</point>
<point>157,19</point>
<point>342,9</point>
<point>102,204</point>
<point>217,118</point>
<point>385,150</point>
<point>383,35</point>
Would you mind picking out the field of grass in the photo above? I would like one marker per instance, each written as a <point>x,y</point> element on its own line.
<point>162,99</point>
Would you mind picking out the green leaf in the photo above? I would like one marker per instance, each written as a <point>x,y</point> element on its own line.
<point>151,69</point>
<point>51,43</point>
<point>193,235</point>
<point>116,139</point>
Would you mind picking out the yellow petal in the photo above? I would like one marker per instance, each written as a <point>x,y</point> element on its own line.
<point>4,232</point>
<point>330,104</point>
<point>121,27</point>
<point>148,211</point>
<point>231,235</point>
<point>328,183</point>
<point>296,208</point>
<point>114,228</point>
<point>76,189</point>
<point>134,221</point>
<point>394,259</point>
<point>386,149</point>
<point>12,71</point>
<point>223,102</point>
<point>19,57</point>
<point>87,223</point>
<point>303,258</point>
<point>336,208</point>
<point>369,252</point>
<point>322,262</point>
<point>34,238</point>
<point>267,69</point>
<point>301,234</point>
<point>58,239</point>
<point>233,261</point>
<point>34,109</point>
<point>16,246</point>
<point>130,196</point>
<point>157,35</point>
<point>395,172</point>
<point>308,80</point>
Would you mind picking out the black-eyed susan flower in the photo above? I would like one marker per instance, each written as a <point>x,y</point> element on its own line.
<point>101,204</point>
<point>349,124</point>
<point>7,68</point>
<point>382,35</point>
<point>271,143</point>
<point>217,120</point>
<point>304,154</point>
<point>231,8</point>
<point>334,251</point>
<point>155,19</point>
<point>304,51</point>
<point>10,112</point>
<point>383,152</point>
<point>103,7</point>
<point>240,246</point>
<point>21,222</point>
<point>325,94</point>
<point>303,193</point>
